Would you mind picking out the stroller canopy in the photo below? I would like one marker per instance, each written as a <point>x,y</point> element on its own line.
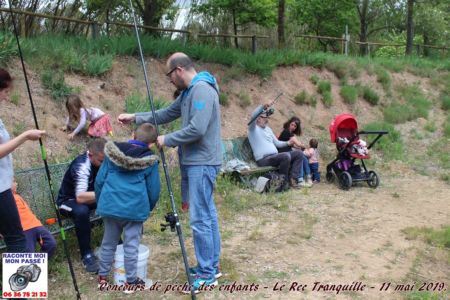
<point>342,123</point>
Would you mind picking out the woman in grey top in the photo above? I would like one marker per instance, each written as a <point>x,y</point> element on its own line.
<point>10,227</point>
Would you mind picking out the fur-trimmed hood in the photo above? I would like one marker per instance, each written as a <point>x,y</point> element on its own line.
<point>129,156</point>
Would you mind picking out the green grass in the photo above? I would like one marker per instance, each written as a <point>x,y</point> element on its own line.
<point>223,99</point>
<point>383,77</point>
<point>435,237</point>
<point>8,47</point>
<point>15,98</point>
<point>370,95</point>
<point>323,86</point>
<point>349,94</point>
<point>19,128</point>
<point>447,127</point>
<point>424,296</point>
<point>327,99</point>
<point>303,98</point>
<point>390,145</point>
<point>445,99</point>
<point>53,82</point>
<point>416,106</point>
<point>314,78</point>
<point>430,126</point>
<point>244,99</point>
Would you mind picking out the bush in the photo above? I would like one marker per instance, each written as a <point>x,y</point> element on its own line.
<point>327,99</point>
<point>391,144</point>
<point>8,47</point>
<point>244,100</point>
<point>53,81</point>
<point>445,99</point>
<point>303,98</point>
<point>98,64</point>
<point>396,113</point>
<point>370,95</point>
<point>314,79</point>
<point>223,99</point>
<point>324,86</point>
<point>338,67</point>
<point>349,94</point>
<point>383,78</point>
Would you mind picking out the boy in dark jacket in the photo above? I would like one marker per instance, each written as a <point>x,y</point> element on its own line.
<point>126,188</point>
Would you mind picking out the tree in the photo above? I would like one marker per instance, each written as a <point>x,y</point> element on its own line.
<point>281,10</point>
<point>325,17</point>
<point>260,12</point>
<point>409,27</point>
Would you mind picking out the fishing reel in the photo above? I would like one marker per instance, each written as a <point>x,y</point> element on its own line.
<point>24,275</point>
<point>171,220</point>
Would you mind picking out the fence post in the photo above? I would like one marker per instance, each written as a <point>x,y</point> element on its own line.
<point>254,44</point>
<point>347,40</point>
<point>418,49</point>
<point>94,29</point>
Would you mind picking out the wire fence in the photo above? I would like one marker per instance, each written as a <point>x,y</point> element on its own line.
<point>253,42</point>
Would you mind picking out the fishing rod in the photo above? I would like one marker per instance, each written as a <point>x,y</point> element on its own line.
<point>44,158</point>
<point>268,111</point>
<point>171,217</point>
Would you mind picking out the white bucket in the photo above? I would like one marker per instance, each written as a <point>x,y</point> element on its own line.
<point>119,266</point>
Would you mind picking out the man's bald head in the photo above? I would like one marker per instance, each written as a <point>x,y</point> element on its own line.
<point>179,59</point>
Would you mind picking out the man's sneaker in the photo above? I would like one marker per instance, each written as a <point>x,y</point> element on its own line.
<point>102,282</point>
<point>137,285</point>
<point>203,285</point>
<point>90,263</point>
<point>194,272</point>
<point>309,181</point>
<point>185,206</point>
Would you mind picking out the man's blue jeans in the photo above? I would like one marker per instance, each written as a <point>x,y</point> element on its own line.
<point>203,218</point>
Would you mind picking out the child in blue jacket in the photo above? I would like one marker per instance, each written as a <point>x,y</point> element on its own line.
<point>126,188</point>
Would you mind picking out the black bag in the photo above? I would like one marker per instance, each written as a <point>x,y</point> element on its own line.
<point>276,182</point>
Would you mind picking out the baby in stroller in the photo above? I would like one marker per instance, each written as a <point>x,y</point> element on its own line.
<point>344,132</point>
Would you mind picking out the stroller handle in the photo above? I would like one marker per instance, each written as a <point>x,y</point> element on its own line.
<point>373,132</point>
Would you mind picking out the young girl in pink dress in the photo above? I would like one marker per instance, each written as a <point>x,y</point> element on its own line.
<point>100,125</point>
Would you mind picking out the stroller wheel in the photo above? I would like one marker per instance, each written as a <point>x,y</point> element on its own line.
<point>373,181</point>
<point>330,177</point>
<point>345,180</point>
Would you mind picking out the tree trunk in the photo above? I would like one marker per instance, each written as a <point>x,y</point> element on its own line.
<point>363,27</point>
<point>29,20</point>
<point>409,28</point>
<point>426,41</point>
<point>148,15</point>
<point>55,13</point>
<point>281,10</point>
<point>236,44</point>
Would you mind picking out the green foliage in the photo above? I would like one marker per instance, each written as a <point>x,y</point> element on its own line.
<point>391,145</point>
<point>138,103</point>
<point>383,78</point>
<point>53,82</point>
<point>423,296</point>
<point>370,95</point>
<point>233,73</point>
<point>349,94</point>
<point>445,99</point>
<point>440,238</point>
<point>314,78</point>
<point>339,67</point>
<point>19,128</point>
<point>327,99</point>
<point>223,99</point>
<point>98,64</point>
<point>244,99</point>
<point>15,98</point>
<point>324,86</point>
<point>430,126</point>
<point>303,98</point>
<point>447,127</point>
<point>8,47</point>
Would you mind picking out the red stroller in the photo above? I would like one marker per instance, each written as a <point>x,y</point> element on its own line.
<point>344,132</point>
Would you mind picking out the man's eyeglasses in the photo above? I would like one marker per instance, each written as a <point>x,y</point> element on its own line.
<point>171,71</point>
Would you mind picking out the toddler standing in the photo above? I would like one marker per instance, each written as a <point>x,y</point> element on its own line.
<point>312,153</point>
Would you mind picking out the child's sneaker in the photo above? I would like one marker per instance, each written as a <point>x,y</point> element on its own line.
<point>136,285</point>
<point>194,272</point>
<point>203,284</point>
<point>90,263</point>
<point>309,182</point>
<point>102,282</point>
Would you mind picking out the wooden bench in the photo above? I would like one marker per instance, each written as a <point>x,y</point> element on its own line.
<point>239,148</point>
<point>33,186</point>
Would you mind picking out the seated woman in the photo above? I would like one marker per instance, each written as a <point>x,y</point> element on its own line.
<point>290,129</point>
